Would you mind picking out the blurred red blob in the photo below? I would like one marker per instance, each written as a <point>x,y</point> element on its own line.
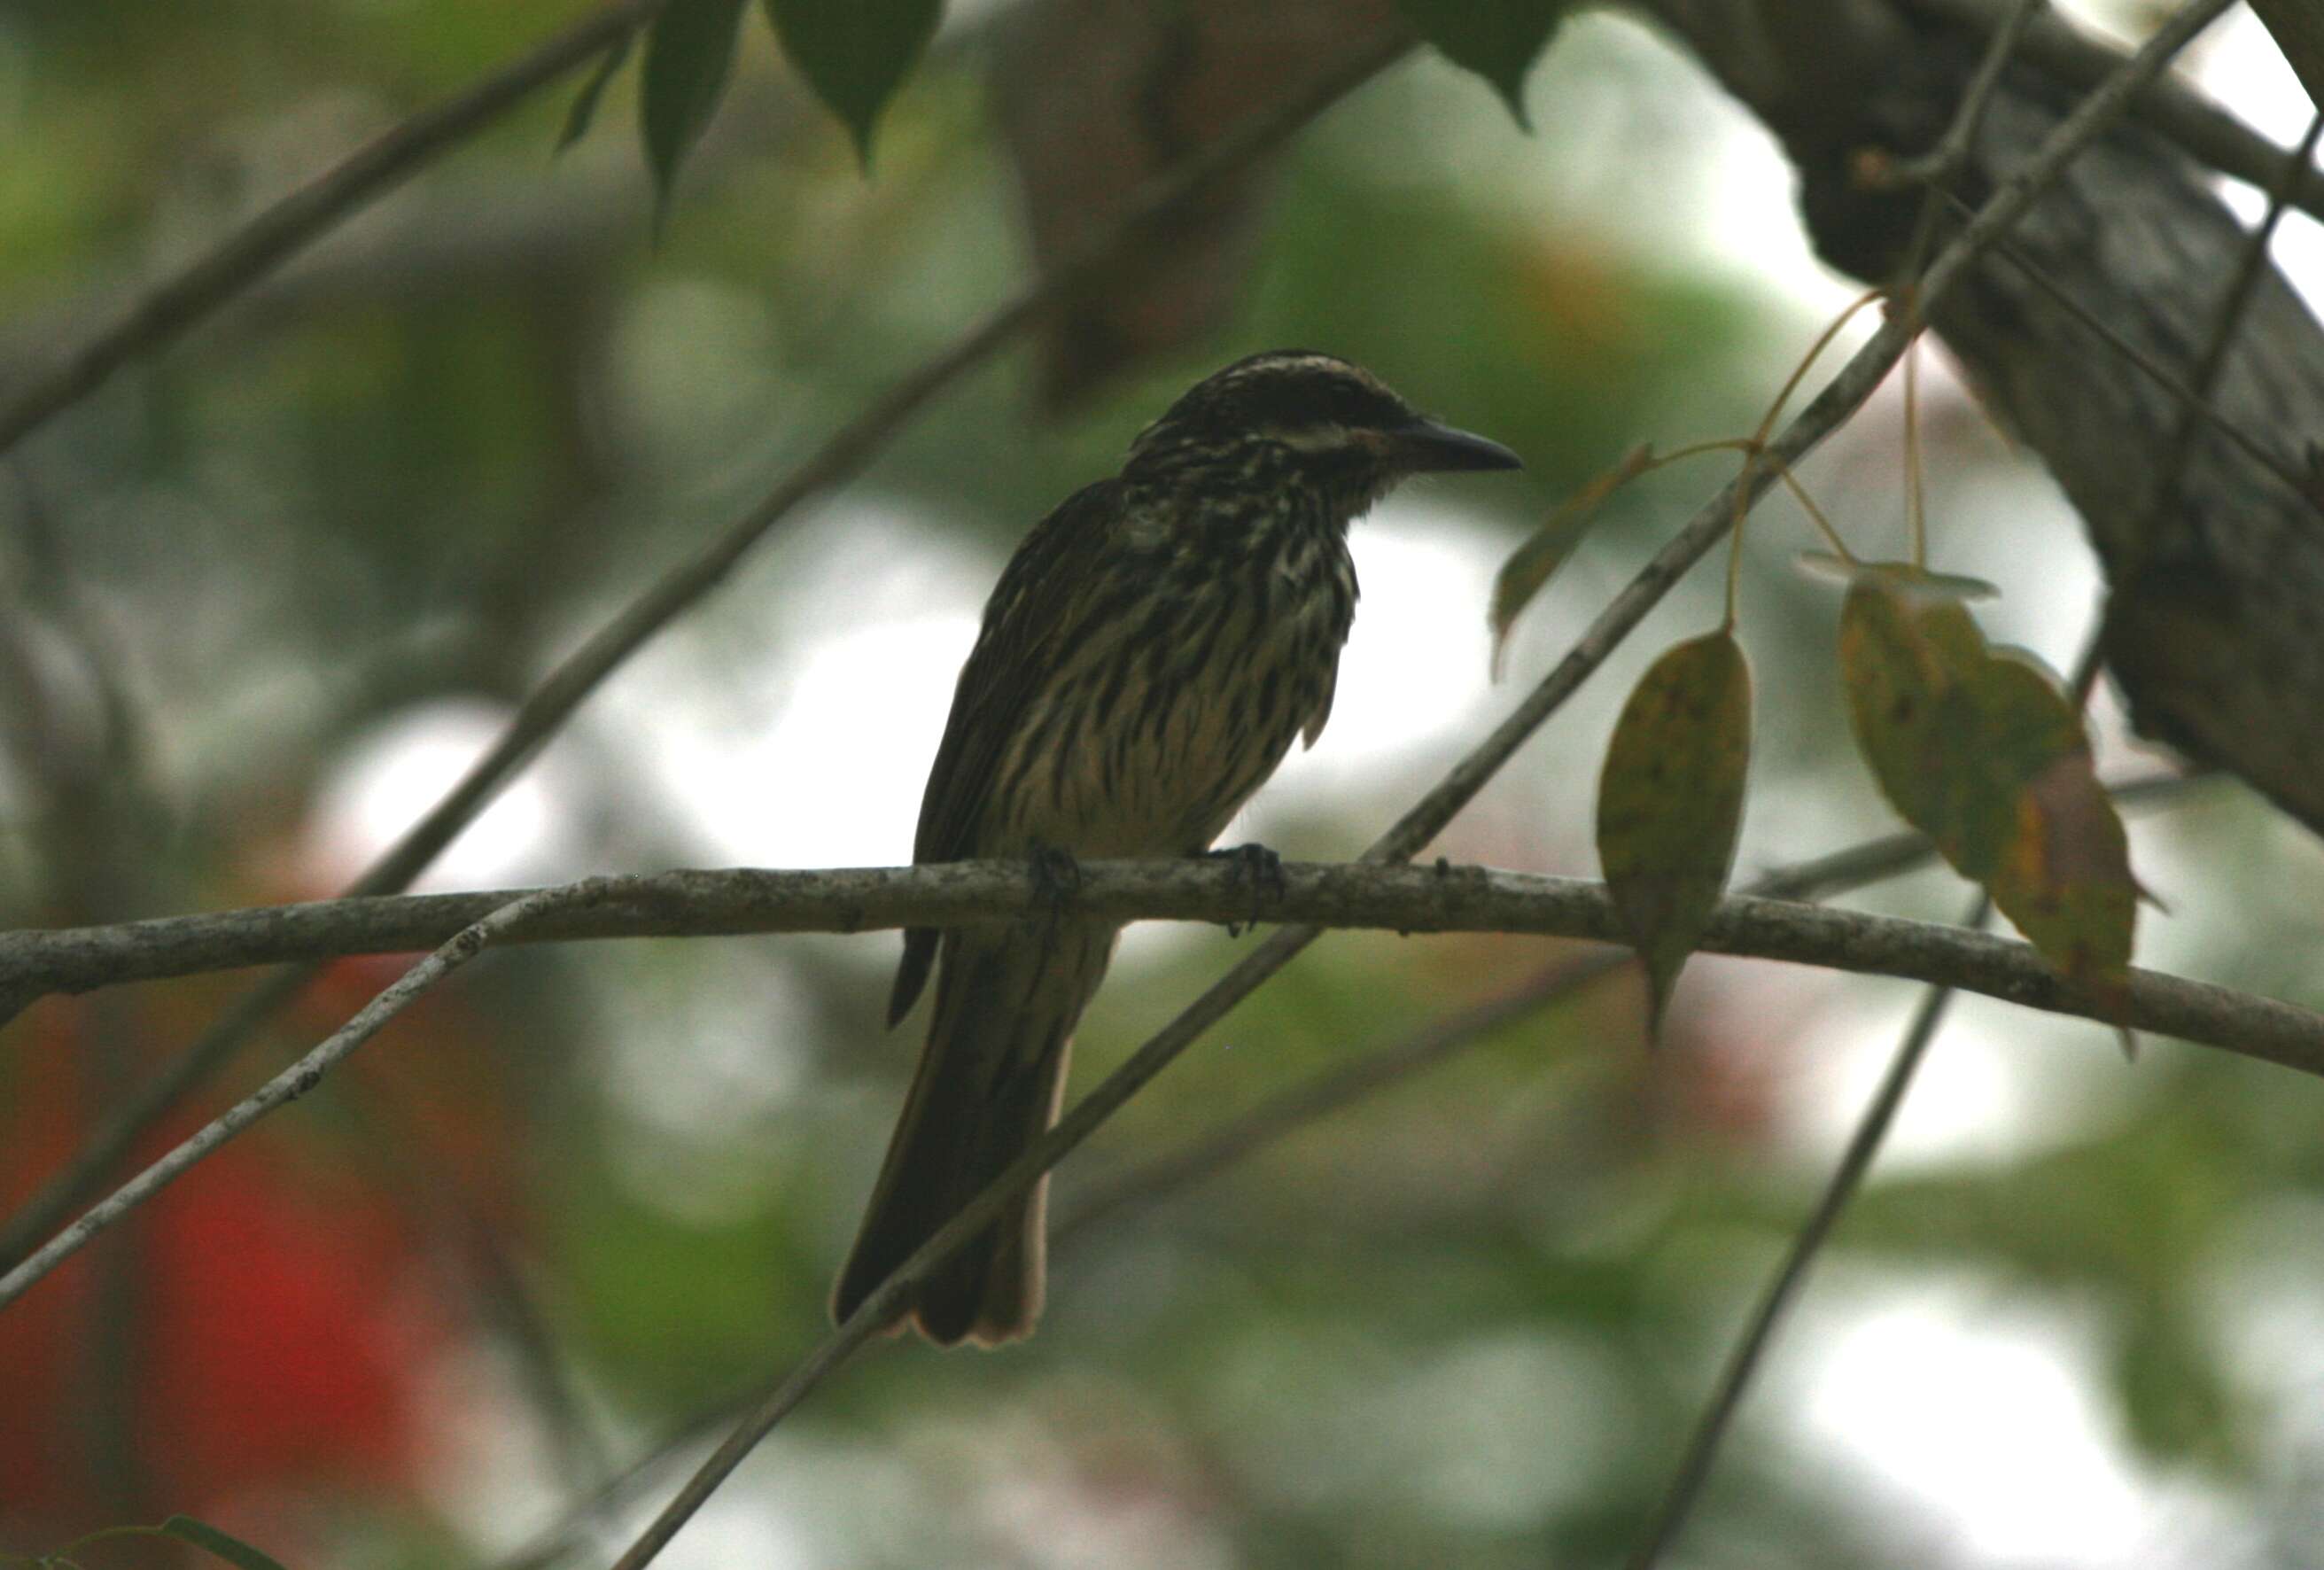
<point>266,1332</point>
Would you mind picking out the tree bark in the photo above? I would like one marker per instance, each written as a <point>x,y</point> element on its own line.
<point>2214,558</point>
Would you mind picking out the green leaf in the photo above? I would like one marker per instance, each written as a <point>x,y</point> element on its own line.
<point>689,57</point>
<point>855,54</point>
<point>1498,39</point>
<point>1532,565</point>
<point>1980,750</point>
<point>218,1545</point>
<point>1670,802</point>
<point>585,102</point>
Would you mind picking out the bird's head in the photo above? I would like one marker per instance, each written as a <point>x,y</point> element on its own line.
<point>1292,413</point>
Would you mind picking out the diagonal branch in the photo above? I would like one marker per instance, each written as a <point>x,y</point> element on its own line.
<point>1776,1300</point>
<point>255,250</point>
<point>2235,301</point>
<point>295,1081</point>
<point>2199,125</point>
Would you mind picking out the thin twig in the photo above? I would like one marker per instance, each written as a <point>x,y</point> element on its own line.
<point>1874,860</point>
<point>1311,1100</point>
<point>290,1083</point>
<point>553,1542</point>
<point>2170,107</point>
<point>548,707</point>
<point>258,247</point>
<point>2147,364</point>
<point>2101,108</point>
<point>1841,398</point>
<point>1952,149</point>
<point>140,1112</point>
<point>1743,1361</point>
<point>2234,300</point>
<point>430,1186</point>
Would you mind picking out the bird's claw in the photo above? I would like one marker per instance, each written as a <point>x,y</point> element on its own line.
<point>1057,875</point>
<point>1256,868</point>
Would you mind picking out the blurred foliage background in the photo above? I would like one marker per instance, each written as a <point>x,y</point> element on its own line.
<point>265,594</point>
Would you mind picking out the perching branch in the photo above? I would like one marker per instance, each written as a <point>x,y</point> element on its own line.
<point>253,252</point>
<point>1361,896</point>
<point>1374,895</point>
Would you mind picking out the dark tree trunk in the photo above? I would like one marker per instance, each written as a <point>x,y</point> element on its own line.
<point>2214,625</point>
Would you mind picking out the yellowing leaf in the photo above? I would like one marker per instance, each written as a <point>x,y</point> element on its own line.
<point>1670,802</point>
<point>1979,750</point>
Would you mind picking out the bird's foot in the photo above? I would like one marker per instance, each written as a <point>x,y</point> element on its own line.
<point>1258,869</point>
<point>1057,876</point>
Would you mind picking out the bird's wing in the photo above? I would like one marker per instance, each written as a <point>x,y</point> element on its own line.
<point>1025,623</point>
<point>1322,715</point>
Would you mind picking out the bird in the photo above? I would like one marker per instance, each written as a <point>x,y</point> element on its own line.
<point>1145,662</point>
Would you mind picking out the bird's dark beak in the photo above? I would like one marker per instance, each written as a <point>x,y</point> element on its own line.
<point>1427,447</point>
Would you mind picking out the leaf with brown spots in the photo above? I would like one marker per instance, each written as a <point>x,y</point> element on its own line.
<point>1980,750</point>
<point>1670,802</point>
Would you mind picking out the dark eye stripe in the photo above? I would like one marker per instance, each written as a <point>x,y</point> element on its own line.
<point>1321,398</point>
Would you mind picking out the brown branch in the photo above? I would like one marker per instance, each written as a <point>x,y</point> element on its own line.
<point>1367,894</point>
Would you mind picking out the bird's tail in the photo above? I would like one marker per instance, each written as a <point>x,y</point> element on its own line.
<point>988,1085</point>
